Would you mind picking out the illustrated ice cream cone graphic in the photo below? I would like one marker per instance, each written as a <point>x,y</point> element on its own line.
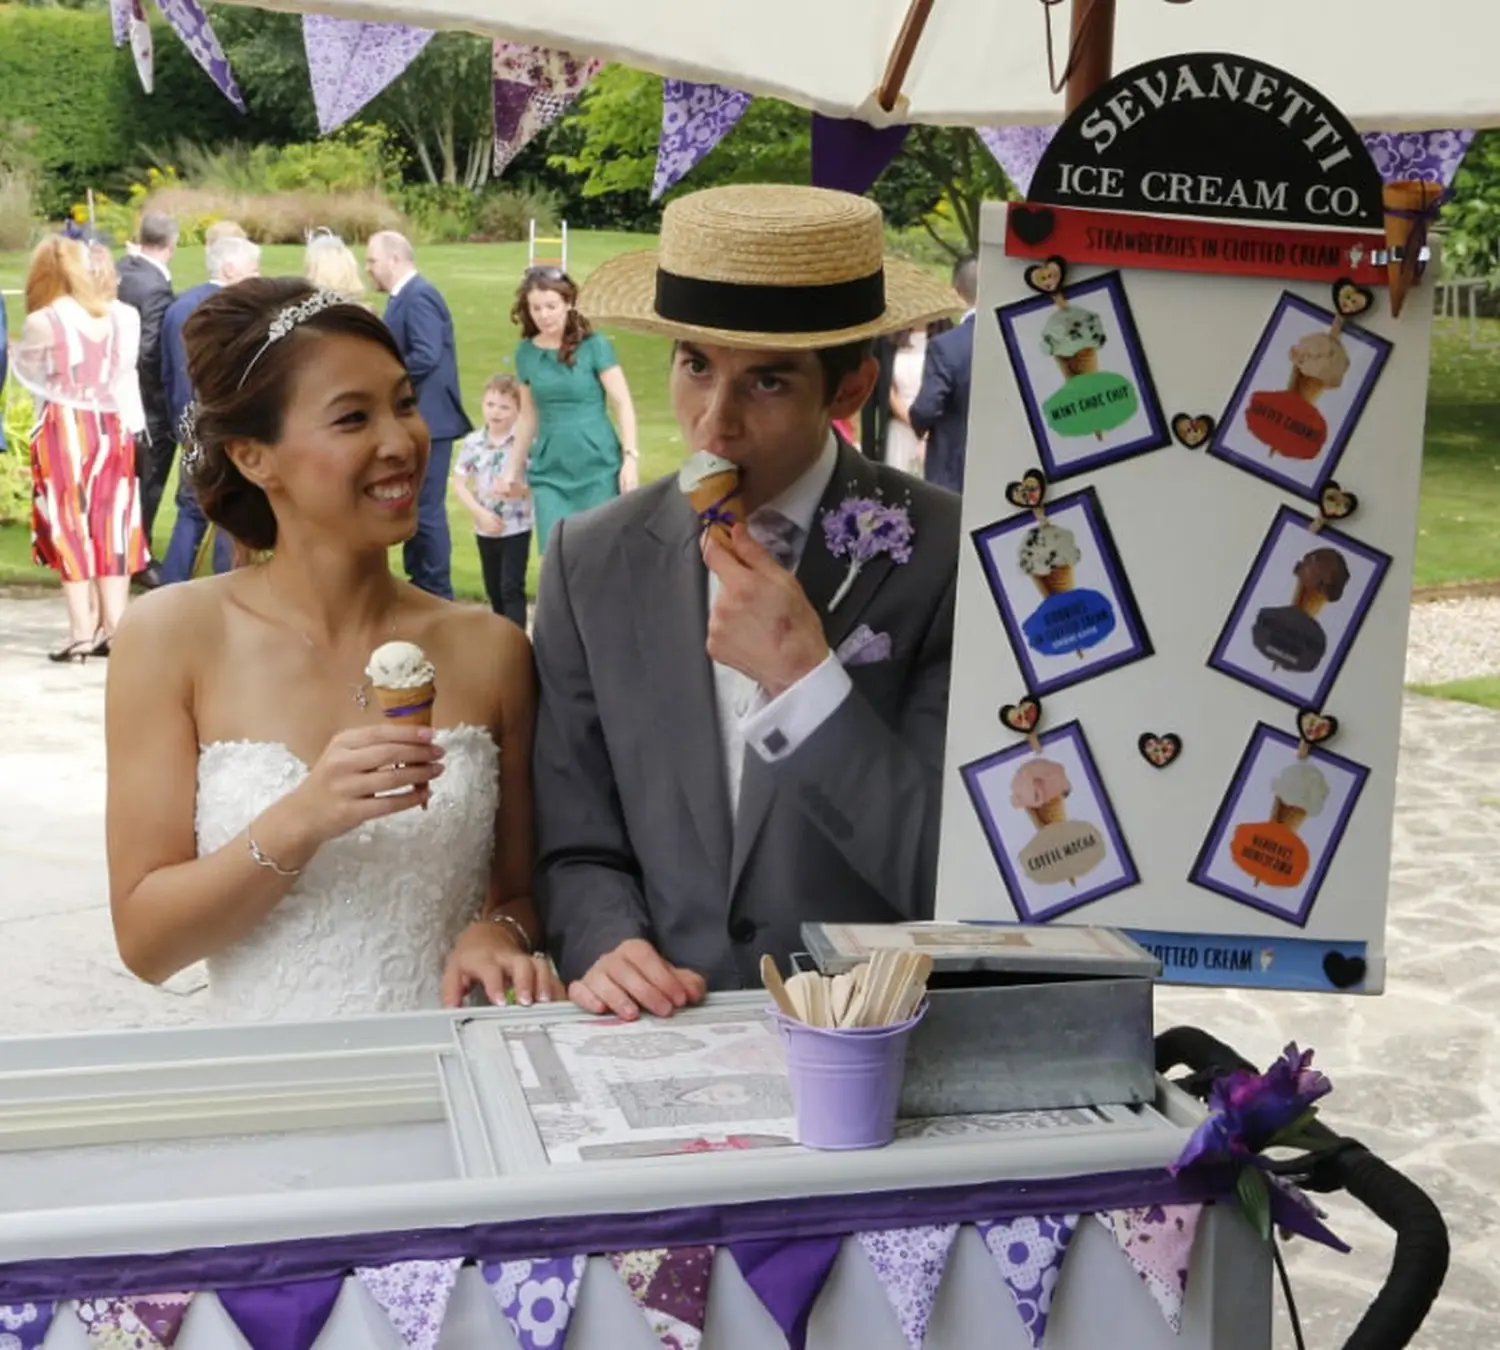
<point>403,682</point>
<point>1322,576</point>
<point>1048,554</point>
<point>1290,816</point>
<point>712,485</point>
<point>1298,792</point>
<point>1040,788</point>
<point>1051,812</point>
<point>1319,362</point>
<point>1084,362</point>
<point>1407,204</point>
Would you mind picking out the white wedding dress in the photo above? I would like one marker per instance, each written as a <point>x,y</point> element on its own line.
<point>369,924</point>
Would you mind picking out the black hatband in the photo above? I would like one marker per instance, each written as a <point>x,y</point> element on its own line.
<point>759,308</point>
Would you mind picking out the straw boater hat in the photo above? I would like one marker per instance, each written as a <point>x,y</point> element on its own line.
<point>766,267</point>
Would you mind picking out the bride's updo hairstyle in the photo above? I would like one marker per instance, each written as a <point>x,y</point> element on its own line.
<point>245,344</point>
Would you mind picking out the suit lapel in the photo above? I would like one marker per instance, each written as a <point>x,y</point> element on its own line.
<point>672,630</point>
<point>821,575</point>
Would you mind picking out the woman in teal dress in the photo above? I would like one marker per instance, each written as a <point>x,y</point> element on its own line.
<point>570,382</point>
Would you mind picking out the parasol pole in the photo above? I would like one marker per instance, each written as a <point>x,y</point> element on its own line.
<point>917,14</point>
<point>1091,48</point>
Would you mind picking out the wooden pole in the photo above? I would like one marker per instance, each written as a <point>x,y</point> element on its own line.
<point>1091,48</point>
<point>917,15</point>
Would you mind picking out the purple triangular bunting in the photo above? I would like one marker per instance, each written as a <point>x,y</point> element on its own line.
<point>694,119</point>
<point>349,62</point>
<point>850,155</point>
<point>282,1316</point>
<point>787,1277</point>
<point>191,24</point>
<point>537,1298</point>
<point>23,1326</point>
<point>1017,150</point>
<point>414,1296</point>
<point>1029,1253</point>
<point>909,1263</point>
<point>1425,156</point>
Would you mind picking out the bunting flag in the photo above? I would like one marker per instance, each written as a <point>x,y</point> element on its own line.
<point>1158,1240</point>
<point>414,1296</point>
<point>191,24</point>
<point>282,1316</point>
<point>140,46</point>
<point>23,1326</point>
<point>533,86</point>
<point>147,1323</point>
<point>850,155</point>
<point>119,21</point>
<point>788,1277</point>
<point>1029,1253</point>
<point>910,1263</point>
<point>671,1286</point>
<point>1428,156</point>
<point>1017,150</point>
<point>537,1298</point>
<point>350,62</point>
<point>694,119</point>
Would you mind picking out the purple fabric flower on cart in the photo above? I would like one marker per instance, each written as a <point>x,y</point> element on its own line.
<point>1248,1110</point>
<point>861,529</point>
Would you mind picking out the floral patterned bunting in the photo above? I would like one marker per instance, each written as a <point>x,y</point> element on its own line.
<point>147,1323</point>
<point>910,1263</point>
<point>533,86</point>
<point>1018,150</point>
<point>191,24</point>
<point>350,62</point>
<point>414,1295</point>
<point>671,1286</point>
<point>1158,1239</point>
<point>694,119</point>
<point>537,1298</point>
<point>119,21</point>
<point>787,1278</point>
<point>284,1316</point>
<point>1428,156</point>
<point>140,46</point>
<point>1029,1252</point>
<point>23,1326</point>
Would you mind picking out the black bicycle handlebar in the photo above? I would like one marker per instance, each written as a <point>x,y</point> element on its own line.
<point>1419,1264</point>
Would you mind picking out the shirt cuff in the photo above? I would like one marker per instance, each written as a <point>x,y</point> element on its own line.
<point>777,728</point>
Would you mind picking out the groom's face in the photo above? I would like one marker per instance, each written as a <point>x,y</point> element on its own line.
<point>767,411</point>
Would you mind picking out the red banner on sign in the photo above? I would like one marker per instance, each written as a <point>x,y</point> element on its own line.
<point>1177,244</point>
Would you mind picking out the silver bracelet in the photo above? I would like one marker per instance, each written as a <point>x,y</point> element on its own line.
<point>262,859</point>
<point>518,929</point>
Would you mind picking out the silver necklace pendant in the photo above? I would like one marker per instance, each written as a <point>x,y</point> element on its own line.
<point>361,696</point>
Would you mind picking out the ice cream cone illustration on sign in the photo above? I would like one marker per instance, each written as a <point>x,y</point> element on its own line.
<point>1063,850</point>
<point>1410,208</point>
<point>1290,636</point>
<point>1070,619</point>
<point>1271,851</point>
<point>1091,401</point>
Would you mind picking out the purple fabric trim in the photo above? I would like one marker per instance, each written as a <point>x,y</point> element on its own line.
<point>707,1225</point>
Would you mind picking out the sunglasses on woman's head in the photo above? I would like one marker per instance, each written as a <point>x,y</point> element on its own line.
<point>547,273</point>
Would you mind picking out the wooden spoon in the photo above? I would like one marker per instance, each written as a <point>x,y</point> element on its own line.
<point>771,978</point>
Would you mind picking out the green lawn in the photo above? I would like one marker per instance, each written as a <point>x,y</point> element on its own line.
<point>1459,517</point>
<point>479,281</point>
<point>1483,690</point>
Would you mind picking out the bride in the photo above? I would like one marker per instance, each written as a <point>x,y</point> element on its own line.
<point>261,813</point>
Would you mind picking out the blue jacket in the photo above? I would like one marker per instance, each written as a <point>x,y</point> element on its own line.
<point>941,408</point>
<point>174,368</point>
<point>419,321</point>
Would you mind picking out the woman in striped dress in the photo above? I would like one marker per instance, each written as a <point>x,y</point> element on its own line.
<point>75,357</point>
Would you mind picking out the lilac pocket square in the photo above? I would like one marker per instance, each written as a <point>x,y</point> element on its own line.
<point>863,647</point>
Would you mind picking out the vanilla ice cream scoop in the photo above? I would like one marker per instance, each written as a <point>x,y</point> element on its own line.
<point>399,665</point>
<point>701,465</point>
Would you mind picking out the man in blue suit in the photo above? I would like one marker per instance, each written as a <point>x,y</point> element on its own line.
<point>231,258</point>
<point>420,322</point>
<point>940,410</point>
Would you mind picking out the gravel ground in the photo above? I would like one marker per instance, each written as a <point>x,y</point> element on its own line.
<point>1453,640</point>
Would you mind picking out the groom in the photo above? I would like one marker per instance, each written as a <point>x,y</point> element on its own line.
<point>735,738</point>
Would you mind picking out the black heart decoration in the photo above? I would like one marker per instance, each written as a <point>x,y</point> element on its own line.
<point>1316,727</point>
<point>1350,299</point>
<point>1032,224</point>
<point>1029,492</point>
<point>1023,715</point>
<point>1344,972</point>
<point>1193,430</point>
<point>1159,751</point>
<point>1335,503</point>
<point>1046,278</point>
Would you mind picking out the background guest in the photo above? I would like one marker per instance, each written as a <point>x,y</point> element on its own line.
<point>570,380</point>
<point>502,524</point>
<point>75,359</point>
<point>146,286</point>
<point>419,320</point>
<point>330,264</point>
<point>132,409</point>
<point>905,447</point>
<point>940,410</point>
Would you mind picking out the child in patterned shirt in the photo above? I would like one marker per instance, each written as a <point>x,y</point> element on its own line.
<point>502,524</point>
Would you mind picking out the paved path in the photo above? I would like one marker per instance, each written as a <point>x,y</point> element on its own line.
<point>1416,1072</point>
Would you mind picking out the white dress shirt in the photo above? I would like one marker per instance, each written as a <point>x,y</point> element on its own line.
<point>776,727</point>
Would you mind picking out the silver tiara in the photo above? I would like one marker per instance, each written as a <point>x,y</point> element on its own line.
<point>187,437</point>
<point>288,320</point>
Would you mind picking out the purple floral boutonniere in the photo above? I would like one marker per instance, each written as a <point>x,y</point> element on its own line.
<point>861,529</point>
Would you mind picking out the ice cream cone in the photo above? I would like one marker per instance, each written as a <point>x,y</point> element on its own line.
<point>1085,362</point>
<point>1411,198</point>
<point>1308,600</point>
<point>717,501</point>
<point>1055,582</point>
<point>1289,816</point>
<point>1309,388</point>
<point>412,706</point>
<point>1051,812</point>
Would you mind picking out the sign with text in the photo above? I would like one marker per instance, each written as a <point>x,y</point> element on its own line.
<point>1213,135</point>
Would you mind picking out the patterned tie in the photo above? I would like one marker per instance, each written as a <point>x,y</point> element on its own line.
<point>776,534</point>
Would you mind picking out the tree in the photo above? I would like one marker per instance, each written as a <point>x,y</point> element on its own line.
<point>1471,220</point>
<point>939,181</point>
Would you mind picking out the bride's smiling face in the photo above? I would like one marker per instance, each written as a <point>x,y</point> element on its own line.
<point>353,447</point>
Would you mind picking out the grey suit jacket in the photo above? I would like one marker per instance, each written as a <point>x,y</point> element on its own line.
<point>634,828</point>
